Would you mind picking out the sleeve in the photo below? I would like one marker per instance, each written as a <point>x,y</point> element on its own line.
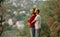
<point>30,19</point>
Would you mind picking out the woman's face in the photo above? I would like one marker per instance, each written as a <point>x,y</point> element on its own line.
<point>36,10</point>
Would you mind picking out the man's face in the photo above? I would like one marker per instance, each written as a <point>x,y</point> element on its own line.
<point>36,11</point>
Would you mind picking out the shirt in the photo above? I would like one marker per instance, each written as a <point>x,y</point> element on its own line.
<point>38,22</point>
<point>30,20</point>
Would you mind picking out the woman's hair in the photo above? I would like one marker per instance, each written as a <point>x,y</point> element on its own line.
<point>33,11</point>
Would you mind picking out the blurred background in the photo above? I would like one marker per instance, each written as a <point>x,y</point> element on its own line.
<point>15,13</point>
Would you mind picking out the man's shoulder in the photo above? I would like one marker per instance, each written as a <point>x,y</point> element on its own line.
<point>38,15</point>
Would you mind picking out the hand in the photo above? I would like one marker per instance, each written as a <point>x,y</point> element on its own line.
<point>29,24</point>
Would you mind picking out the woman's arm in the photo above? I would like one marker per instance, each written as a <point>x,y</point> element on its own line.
<point>28,23</point>
<point>33,21</point>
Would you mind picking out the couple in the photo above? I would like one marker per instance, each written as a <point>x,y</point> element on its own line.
<point>35,23</point>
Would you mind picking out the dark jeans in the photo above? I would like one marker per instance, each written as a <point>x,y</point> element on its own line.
<point>32,32</point>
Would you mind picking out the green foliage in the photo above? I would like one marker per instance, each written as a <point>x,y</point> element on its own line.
<point>51,9</point>
<point>47,9</point>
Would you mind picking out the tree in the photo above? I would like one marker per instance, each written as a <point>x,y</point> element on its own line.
<point>3,12</point>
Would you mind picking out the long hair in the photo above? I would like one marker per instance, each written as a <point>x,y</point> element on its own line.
<point>33,11</point>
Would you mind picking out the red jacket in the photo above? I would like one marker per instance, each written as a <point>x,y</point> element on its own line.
<point>30,20</point>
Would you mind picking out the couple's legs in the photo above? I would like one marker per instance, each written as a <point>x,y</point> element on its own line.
<point>35,32</point>
<point>32,32</point>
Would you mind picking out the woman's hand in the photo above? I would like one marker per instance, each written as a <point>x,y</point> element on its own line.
<point>29,24</point>
<point>33,21</point>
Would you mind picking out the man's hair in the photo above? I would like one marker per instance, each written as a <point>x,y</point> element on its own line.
<point>38,10</point>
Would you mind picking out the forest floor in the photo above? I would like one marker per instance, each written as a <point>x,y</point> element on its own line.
<point>12,33</point>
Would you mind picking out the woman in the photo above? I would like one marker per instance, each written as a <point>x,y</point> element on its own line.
<point>32,25</point>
